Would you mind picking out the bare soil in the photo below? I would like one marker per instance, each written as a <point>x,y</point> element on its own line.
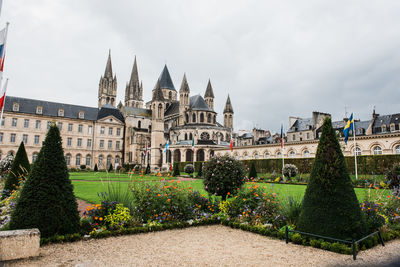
<point>214,245</point>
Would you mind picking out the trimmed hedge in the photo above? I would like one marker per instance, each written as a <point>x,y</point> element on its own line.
<point>371,164</point>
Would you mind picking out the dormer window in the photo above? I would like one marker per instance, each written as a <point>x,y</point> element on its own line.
<point>15,107</point>
<point>81,115</point>
<point>383,128</point>
<point>39,110</point>
<point>61,112</point>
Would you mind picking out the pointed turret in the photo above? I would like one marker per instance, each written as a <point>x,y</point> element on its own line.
<point>133,94</point>
<point>228,114</point>
<point>107,85</point>
<point>165,79</point>
<point>209,95</point>
<point>184,86</point>
<point>158,94</point>
<point>108,72</point>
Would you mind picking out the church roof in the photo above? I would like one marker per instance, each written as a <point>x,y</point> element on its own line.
<point>209,90</point>
<point>184,85</point>
<point>197,102</point>
<point>108,71</point>
<point>109,110</point>
<point>172,109</point>
<point>228,105</point>
<point>132,111</point>
<point>165,79</point>
<point>50,109</point>
<point>158,94</point>
<point>134,81</point>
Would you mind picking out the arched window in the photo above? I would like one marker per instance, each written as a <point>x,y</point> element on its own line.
<point>377,150</point>
<point>34,157</point>
<point>170,95</point>
<point>246,156</point>
<point>186,136</point>
<point>267,155</point>
<point>108,161</point>
<point>187,118</point>
<point>209,118</point>
<point>279,154</point>
<point>200,155</point>
<point>189,155</point>
<point>116,161</point>
<point>190,136</point>
<point>357,151</point>
<point>215,118</point>
<point>139,124</point>
<point>159,110</point>
<point>292,154</point>
<point>68,159</point>
<point>78,160</point>
<point>256,156</point>
<point>201,117</point>
<point>1,155</point>
<point>194,118</point>
<point>177,155</point>
<point>306,153</point>
<point>398,149</point>
<point>101,160</point>
<point>88,160</point>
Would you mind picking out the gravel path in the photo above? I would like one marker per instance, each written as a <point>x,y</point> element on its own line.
<point>214,245</point>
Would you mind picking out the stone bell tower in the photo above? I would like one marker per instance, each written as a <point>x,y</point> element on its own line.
<point>108,86</point>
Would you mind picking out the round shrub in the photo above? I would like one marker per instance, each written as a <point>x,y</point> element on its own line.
<point>189,169</point>
<point>393,177</point>
<point>290,170</point>
<point>83,167</point>
<point>223,175</point>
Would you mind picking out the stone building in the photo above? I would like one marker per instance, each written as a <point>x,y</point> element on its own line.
<point>125,134</point>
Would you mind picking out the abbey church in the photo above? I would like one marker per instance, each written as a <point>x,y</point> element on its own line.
<point>168,128</point>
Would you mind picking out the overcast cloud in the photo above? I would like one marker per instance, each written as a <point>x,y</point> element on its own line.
<point>275,58</point>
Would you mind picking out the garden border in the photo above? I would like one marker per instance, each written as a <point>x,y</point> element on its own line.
<point>353,242</point>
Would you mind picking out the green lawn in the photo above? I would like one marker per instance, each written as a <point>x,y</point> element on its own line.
<point>88,191</point>
<point>112,176</point>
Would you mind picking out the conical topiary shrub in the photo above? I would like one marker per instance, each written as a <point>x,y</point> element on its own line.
<point>330,206</point>
<point>200,170</point>
<point>176,171</point>
<point>19,169</point>
<point>47,200</point>
<point>253,171</point>
<point>96,169</point>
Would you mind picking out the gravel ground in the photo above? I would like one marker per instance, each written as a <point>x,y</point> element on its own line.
<point>200,246</point>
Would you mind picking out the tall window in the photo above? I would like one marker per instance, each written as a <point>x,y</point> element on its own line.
<point>117,145</point>
<point>1,137</point>
<point>377,150</point>
<point>119,131</point>
<point>201,117</point>
<point>397,148</point>
<point>25,138</point>
<point>80,128</point>
<point>101,160</point>
<point>38,110</point>
<point>102,129</point>
<point>26,123</point>
<point>48,125</point>
<point>69,127</point>
<point>139,124</point>
<point>3,121</point>
<point>357,151</point>
<point>90,129</point>
<point>34,157</point>
<point>101,143</point>
<point>69,141</point>
<point>110,131</point>
<point>108,161</point>
<point>36,140</point>
<point>78,160</point>
<point>14,122</point>
<point>59,126</point>
<point>79,144</point>
<point>37,125</point>
<point>159,111</point>
<point>61,112</point>
<point>81,115</point>
<point>15,107</point>
<point>209,118</point>
<point>109,144</point>
<point>12,138</point>
<point>68,159</point>
<point>89,143</point>
<point>88,160</point>
<point>194,118</point>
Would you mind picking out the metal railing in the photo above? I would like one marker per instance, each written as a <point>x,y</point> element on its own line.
<point>353,243</point>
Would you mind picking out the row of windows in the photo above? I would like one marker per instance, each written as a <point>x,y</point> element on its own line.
<point>79,143</point>
<point>79,160</point>
<point>39,110</point>
<point>14,123</point>
<point>210,118</point>
<point>13,137</point>
<point>294,136</point>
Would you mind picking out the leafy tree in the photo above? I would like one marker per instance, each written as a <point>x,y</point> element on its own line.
<point>47,200</point>
<point>176,171</point>
<point>330,206</point>
<point>19,170</point>
<point>253,171</point>
<point>96,169</point>
<point>223,175</point>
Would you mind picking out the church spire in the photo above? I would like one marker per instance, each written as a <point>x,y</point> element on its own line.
<point>228,106</point>
<point>133,91</point>
<point>209,90</point>
<point>184,86</point>
<point>134,75</point>
<point>158,94</point>
<point>108,72</point>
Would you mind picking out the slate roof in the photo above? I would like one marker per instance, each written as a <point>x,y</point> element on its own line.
<point>172,109</point>
<point>382,120</point>
<point>109,110</point>
<point>228,106</point>
<point>197,102</point>
<point>209,90</point>
<point>28,106</point>
<point>301,125</point>
<point>165,79</point>
<point>132,111</point>
<point>395,118</point>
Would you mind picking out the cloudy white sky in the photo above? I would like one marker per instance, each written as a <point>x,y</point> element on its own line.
<point>275,58</point>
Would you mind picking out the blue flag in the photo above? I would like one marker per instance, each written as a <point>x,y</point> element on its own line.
<point>166,146</point>
<point>349,126</point>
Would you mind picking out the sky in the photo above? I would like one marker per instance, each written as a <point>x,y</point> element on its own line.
<point>274,58</point>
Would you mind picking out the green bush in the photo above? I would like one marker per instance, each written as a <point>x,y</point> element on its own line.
<point>47,200</point>
<point>176,170</point>
<point>19,170</point>
<point>316,243</point>
<point>297,239</point>
<point>291,208</point>
<point>200,171</point>
<point>330,207</point>
<point>252,172</point>
<point>393,178</point>
<point>189,169</point>
<point>96,169</point>
<point>290,170</point>
<point>119,217</point>
<point>223,175</point>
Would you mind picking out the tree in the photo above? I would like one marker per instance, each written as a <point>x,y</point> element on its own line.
<point>96,169</point>
<point>223,175</point>
<point>253,171</point>
<point>47,200</point>
<point>110,168</point>
<point>330,206</point>
<point>19,170</point>
<point>176,171</point>
<point>200,171</point>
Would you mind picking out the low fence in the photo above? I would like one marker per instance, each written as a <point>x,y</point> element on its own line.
<point>353,243</point>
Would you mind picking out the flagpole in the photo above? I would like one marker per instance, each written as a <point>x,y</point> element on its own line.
<point>4,103</point>
<point>283,156</point>
<point>355,153</point>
